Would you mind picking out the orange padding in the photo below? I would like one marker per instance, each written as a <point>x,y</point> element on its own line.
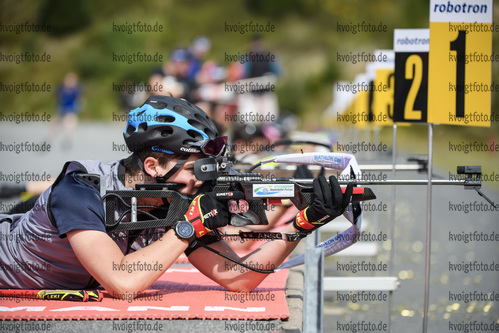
<point>180,293</point>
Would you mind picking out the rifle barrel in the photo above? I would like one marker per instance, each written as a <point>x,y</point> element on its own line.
<point>363,167</point>
<point>392,182</point>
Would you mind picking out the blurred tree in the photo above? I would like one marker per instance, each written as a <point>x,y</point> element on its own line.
<point>65,17</point>
<point>279,7</point>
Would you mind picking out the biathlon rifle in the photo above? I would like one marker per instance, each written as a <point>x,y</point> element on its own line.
<point>220,176</point>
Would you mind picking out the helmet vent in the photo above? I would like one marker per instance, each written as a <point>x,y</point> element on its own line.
<point>167,132</point>
<point>196,124</point>
<point>142,127</point>
<point>165,119</point>
<point>209,133</point>
<point>159,105</point>
<point>195,135</point>
<point>130,129</point>
<point>200,117</point>
<point>183,111</point>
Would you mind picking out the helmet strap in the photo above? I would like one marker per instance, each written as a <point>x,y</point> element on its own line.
<point>170,173</point>
<point>173,170</point>
<point>141,164</point>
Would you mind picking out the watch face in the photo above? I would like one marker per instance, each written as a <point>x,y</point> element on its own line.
<point>185,229</point>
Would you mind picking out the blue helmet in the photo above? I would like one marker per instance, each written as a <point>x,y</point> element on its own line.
<point>167,124</point>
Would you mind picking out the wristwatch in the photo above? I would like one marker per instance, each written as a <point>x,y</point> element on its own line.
<point>185,231</point>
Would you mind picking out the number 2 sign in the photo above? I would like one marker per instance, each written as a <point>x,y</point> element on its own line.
<point>460,62</point>
<point>411,75</point>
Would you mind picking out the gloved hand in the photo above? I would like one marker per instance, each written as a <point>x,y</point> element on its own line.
<point>210,211</point>
<point>329,202</point>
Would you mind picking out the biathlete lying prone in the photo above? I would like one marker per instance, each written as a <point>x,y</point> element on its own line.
<point>62,243</point>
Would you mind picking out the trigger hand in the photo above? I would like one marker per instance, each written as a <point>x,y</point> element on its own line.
<point>238,206</point>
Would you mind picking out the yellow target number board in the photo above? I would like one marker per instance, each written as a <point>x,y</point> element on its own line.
<point>411,75</point>
<point>381,94</point>
<point>460,62</point>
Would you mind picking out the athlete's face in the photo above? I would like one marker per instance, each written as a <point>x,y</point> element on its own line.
<point>184,175</point>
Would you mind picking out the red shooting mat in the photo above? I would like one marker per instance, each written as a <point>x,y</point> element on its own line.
<point>180,293</point>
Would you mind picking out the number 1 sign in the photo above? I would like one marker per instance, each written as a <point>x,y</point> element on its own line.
<point>460,62</point>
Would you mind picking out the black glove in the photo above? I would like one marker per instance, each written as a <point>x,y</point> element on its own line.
<point>329,202</point>
<point>210,211</point>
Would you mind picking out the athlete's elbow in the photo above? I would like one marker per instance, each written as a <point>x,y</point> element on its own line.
<point>123,294</point>
<point>241,286</point>
<point>123,291</point>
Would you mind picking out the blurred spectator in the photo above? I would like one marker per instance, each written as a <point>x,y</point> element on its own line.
<point>212,97</point>
<point>261,70</point>
<point>235,72</point>
<point>210,73</point>
<point>133,96</point>
<point>174,75</point>
<point>198,51</point>
<point>263,63</point>
<point>68,95</point>
<point>251,142</point>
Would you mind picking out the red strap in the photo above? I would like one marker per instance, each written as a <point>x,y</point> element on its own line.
<point>302,222</point>
<point>199,228</point>
<point>195,216</point>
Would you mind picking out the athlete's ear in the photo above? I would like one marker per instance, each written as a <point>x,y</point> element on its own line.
<point>150,165</point>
